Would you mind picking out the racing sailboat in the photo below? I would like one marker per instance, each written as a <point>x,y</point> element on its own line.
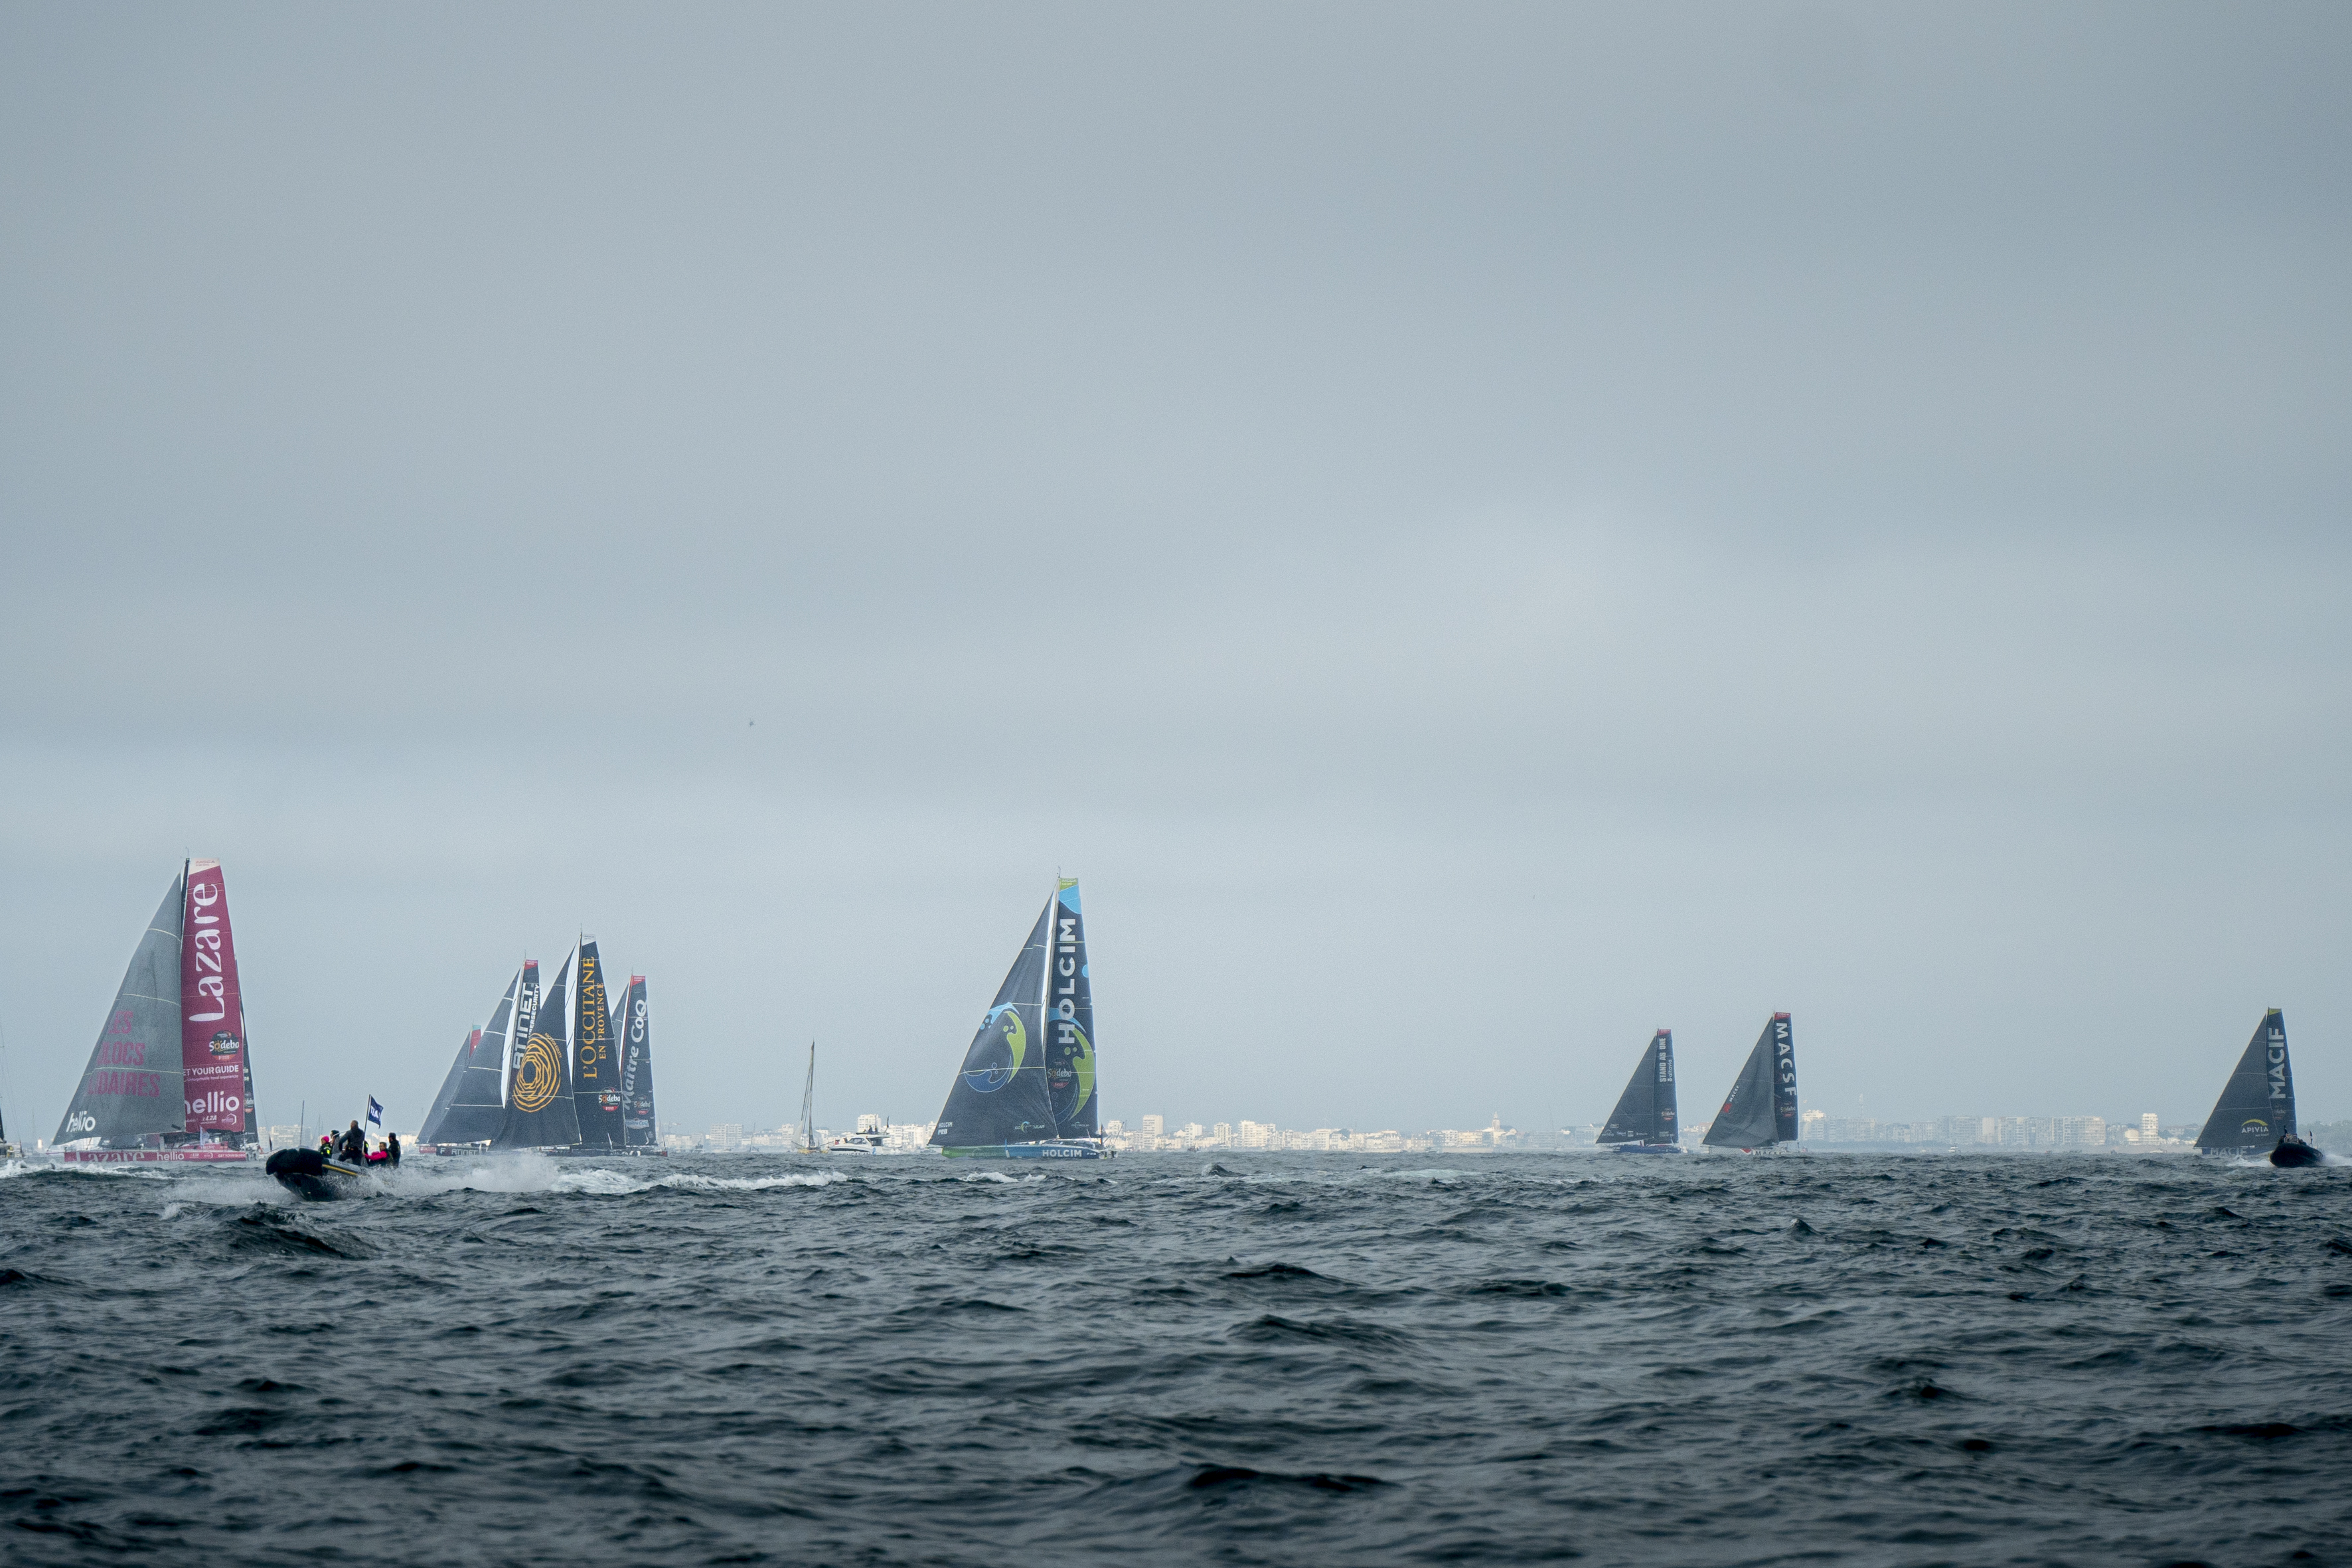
<point>1643,1122</point>
<point>596,1074</point>
<point>804,1136</point>
<point>471,1106</point>
<point>1026,1089</point>
<point>1761,1109</point>
<point>2255,1114</point>
<point>632,1026</point>
<point>169,1077</point>
<point>539,1100</point>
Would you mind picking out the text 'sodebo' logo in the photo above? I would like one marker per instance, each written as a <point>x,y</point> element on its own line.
<point>537,1076</point>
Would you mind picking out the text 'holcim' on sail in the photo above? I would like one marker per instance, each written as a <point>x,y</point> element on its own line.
<point>1027,1089</point>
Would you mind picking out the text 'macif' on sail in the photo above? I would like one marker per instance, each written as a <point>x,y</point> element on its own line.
<point>2257,1104</point>
<point>171,1078</point>
<point>1027,1088</point>
<point>1761,1109</point>
<point>1643,1122</point>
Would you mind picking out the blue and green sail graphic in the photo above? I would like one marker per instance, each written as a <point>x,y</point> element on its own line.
<point>1069,1012</point>
<point>999,1093</point>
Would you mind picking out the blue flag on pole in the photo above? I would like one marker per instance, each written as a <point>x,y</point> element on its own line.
<point>375,1111</point>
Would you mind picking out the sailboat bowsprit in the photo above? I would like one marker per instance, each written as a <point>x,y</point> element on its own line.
<point>171,1078</point>
<point>1027,1087</point>
<point>1761,1109</point>
<point>1643,1122</point>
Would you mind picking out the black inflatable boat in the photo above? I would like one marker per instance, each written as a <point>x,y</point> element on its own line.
<point>307,1173</point>
<point>2293,1150</point>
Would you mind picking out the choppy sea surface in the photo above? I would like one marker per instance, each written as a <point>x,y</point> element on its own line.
<point>1250,1358</point>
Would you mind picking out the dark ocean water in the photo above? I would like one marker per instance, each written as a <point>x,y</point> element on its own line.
<point>1254,1359</point>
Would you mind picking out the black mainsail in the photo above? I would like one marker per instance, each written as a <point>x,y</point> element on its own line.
<point>134,1083</point>
<point>1761,1109</point>
<point>596,1072</point>
<point>1000,1095</point>
<point>634,1028</point>
<point>471,1107</point>
<point>1645,1111</point>
<point>2257,1104</point>
<point>538,1091</point>
<point>447,1094</point>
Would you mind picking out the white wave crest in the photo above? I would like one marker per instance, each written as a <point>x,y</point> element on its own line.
<point>59,1168</point>
<point>540,1173</point>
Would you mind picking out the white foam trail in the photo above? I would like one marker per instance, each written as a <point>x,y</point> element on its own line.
<point>540,1174</point>
<point>59,1168</point>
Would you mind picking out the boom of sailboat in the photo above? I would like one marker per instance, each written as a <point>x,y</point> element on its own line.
<point>568,1067</point>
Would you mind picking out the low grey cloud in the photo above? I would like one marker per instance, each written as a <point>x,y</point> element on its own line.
<point>1476,531</point>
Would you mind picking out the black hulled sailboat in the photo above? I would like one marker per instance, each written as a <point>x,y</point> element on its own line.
<point>2255,1114</point>
<point>1761,1109</point>
<point>1026,1089</point>
<point>471,1106</point>
<point>1643,1122</point>
<point>595,1066</point>
<point>632,1026</point>
<point>538,1114</point>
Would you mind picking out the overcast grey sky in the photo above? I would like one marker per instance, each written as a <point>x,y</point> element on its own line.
<point>1476,530</point>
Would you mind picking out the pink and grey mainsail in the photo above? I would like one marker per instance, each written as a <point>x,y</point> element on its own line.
<point>133,1083</point>
<point>211,1007</point>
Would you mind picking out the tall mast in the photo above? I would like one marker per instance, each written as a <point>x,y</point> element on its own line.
<point>808,1105</point>
<point>1044,995</point>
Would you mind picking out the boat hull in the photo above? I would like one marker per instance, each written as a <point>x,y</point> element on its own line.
<point>309,1174</point>
<point>1649,1148</point>
<point>1024,1152</point>
<point>2291,1155</point>
<point>154,1156</point>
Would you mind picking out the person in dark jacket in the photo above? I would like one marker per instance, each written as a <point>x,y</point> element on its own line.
<point>354,1149</point>
<point>392,1148</point>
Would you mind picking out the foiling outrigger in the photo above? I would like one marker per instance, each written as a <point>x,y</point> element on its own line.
<point>1026,1089</point>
